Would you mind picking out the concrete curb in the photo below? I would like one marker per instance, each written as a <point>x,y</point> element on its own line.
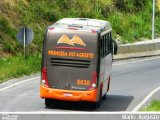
<point>141,49</point>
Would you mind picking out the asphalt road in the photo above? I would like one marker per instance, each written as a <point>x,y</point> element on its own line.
<point>130,84</point>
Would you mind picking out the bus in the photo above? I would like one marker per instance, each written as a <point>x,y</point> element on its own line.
<point>76,61</point>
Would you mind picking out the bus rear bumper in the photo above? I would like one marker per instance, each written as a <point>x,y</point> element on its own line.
<point>68,95</point>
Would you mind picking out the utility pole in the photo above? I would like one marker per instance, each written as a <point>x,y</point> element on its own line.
<point>153,19</point>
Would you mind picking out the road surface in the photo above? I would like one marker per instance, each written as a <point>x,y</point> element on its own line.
<point>130,84</point>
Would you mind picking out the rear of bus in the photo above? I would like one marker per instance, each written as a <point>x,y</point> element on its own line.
<point>69,65</point>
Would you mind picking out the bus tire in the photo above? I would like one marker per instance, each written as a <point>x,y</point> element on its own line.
<point>104,96</point>
<point>108,87</point>
<point>95,105</point>
<point>98,103</point>
<point>48,102</point>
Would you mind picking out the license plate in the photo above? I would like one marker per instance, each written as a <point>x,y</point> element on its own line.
<point>67,94</point>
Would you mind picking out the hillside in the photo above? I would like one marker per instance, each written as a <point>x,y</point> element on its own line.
<point>130,19</point>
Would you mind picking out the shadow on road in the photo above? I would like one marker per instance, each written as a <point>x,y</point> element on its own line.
<point>115,103</point>
<point>110,103</point>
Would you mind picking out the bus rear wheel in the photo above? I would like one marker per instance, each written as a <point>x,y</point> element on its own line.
<point>51,102</point>
<point>97,104</point>
<point>48,102</point>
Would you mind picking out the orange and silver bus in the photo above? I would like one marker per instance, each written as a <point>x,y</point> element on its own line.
<point>76,61</point>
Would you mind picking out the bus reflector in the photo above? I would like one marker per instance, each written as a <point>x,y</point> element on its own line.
<point>44,81</point>
<point>93,84</point>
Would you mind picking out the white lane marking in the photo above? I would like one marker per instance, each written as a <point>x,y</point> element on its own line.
<point>145,100</point>
<point>5,88</point>
<point>136,61</point>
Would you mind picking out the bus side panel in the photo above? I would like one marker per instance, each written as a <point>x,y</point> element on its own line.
<point>107,64</point>
<point>105,61</point>
<point>44,55</point>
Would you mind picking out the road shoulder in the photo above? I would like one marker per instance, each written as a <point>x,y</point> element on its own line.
<point>16,80</point>
<point>156,96</point>
<point>153,95</point>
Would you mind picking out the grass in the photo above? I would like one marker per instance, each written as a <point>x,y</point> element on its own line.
<point>153,106</point>
<point>16,66</point>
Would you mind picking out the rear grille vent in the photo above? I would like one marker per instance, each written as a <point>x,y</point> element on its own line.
<point>70,62</point>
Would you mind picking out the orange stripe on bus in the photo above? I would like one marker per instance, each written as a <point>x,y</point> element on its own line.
<point>58,94</point>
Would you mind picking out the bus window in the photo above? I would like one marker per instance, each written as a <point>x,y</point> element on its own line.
<point>104,46</point>
<point>101,47</point>
<point>110,42</point>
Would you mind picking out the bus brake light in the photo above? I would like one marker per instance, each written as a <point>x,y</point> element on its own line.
<point>94,81</point>
<point>44,81</point>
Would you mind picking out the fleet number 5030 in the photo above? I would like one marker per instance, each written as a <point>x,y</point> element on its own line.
<point>83,82</point>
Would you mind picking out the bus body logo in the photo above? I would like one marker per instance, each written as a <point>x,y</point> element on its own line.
<point>75,40</point>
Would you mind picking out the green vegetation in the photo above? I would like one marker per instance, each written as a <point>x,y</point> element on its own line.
<point>16,66</point>
<point>154,106</point>
<point>130,19</point>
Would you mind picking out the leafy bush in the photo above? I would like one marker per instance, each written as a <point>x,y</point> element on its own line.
<point>130,19</point>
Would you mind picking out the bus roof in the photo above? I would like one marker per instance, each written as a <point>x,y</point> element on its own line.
<point>84,24</point>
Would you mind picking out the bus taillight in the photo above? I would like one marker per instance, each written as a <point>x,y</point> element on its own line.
<point>44,81</point>
<point>94,81</point>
